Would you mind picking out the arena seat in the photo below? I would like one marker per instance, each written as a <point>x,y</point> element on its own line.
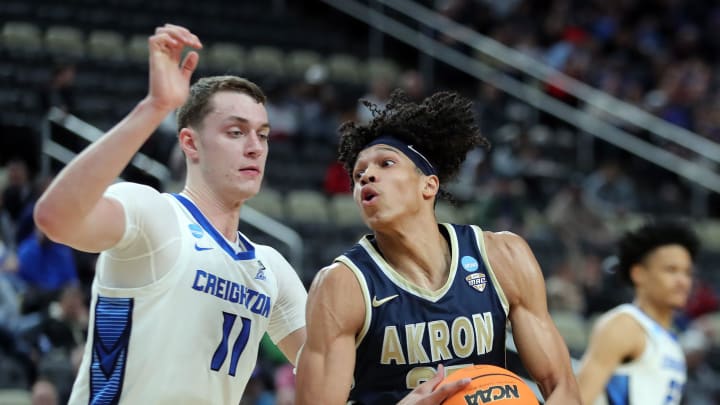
<point>105,45</point>
<point>66,41</point>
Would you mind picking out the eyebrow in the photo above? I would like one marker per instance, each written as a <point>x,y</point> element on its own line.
<point>237,118</point>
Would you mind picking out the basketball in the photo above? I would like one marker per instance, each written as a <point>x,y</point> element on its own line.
<point>490,384</point>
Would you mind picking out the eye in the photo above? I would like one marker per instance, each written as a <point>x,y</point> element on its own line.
<point>387,162</point>
<point>264,135</point>
<point>235,133</point>
<point>358,174</point>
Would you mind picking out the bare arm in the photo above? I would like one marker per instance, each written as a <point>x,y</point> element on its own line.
<point>541,348</point>
<point>612,340</point>
<point>335,314</point>
<point>291,345</point>
<point>73,210</point>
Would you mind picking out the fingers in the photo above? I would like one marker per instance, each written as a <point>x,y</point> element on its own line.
<point>446,390</point>
<point>437,378</point>
<point>189,64</point>
<point>173,36</point>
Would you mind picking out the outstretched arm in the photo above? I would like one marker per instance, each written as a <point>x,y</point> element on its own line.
<point>73,210</point>
<point>540,346</point>
<point>335,314</point>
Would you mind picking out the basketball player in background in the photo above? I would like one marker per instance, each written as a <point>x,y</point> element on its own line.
<point>633,356</point>
<point>417,294</point>
<point>180,299</point>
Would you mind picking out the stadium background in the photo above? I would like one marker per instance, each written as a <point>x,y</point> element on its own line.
<point>563,187</point>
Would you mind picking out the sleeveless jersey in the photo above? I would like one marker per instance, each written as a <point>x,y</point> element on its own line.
<point>656,377</point>
<point>408,330</point>
<point>192,337</point>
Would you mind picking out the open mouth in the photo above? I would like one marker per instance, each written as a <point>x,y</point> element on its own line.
<point>368,195</point>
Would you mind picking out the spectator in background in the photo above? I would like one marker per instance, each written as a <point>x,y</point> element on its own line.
<point>17,192</point>
<point>60,90</point>
<point>609,191</point>
<point>63,323</point>
<point>505,208</point>
<point>44,392</point>
<point>413,83</point>
<point>25,224</point>
<point>46,267</point>
<point>577,225</point>
<point>336,179</point>
<point>702,386</point>
<point>379,95</point>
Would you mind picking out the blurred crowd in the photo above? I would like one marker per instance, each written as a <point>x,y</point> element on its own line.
<point>659,55</point>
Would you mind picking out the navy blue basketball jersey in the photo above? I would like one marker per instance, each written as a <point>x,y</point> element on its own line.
<point>409,331</point>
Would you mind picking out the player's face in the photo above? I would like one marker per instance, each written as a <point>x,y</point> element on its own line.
<point>234,142</point>
<point>666,276</point>
<point>387,185</point>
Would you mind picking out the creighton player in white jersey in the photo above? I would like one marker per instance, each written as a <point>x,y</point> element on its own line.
<point>180,299</point>
<point>633,357</point>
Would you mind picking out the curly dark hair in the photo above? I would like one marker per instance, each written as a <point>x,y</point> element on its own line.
<point>442,127</point>
<point>635,246</point>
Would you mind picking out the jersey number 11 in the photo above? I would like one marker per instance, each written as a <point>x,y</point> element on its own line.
<point>237,348</point>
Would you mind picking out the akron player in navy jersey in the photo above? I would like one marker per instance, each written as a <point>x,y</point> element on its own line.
<point>416,294</point>
<point>180,299</point>
<point>633,357</point>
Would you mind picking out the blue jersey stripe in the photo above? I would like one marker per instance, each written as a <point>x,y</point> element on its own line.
<point>111,338</point>
<point>618,390</point>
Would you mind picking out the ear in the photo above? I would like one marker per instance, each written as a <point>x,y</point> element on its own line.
<point>189,144</point>
<point>637,274</point>
<point>431,187</point>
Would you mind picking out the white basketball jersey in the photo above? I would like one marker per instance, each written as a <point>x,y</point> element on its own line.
<point>192,337</point>
<point>656,377</point>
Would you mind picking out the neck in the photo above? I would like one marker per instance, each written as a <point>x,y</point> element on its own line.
<point>661,315</point>
<point>223,216</point>
<point>418,251</point>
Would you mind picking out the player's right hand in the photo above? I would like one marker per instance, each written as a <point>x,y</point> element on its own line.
<point>169,75</point>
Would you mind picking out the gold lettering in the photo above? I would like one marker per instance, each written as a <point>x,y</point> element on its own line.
<point>439,340</point>
<point>391,349</point>
<point>483,332</point>
<point>415,351</point>
<point>463,338</point>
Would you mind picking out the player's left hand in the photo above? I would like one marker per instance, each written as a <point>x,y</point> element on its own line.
<point>428,393</point>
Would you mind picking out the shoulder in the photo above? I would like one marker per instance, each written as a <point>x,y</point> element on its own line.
<point>513,263</point>
<point>505,243</point>
<point>269,254</point>
<point>333,277</point>
<point>136,197</point>
<point>128,189</point>
<point>619,331</point>
<point>335,294</point>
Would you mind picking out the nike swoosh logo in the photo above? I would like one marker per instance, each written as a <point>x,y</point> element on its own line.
<point>376,302</point>
<point>200,248</point>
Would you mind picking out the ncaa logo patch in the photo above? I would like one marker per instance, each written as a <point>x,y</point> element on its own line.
<point>469,263</point>
<point>477,281</point>
<point>196,230</point>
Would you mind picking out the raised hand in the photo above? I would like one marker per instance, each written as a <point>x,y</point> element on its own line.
<point>428,393</point>
<point>169,75</point>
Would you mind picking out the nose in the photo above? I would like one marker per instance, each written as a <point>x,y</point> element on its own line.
<point>367,177</point>
<point>254,145</point>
